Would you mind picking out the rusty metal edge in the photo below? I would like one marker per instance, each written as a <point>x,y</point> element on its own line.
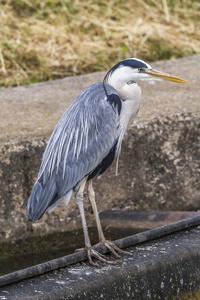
<point>81,256</point>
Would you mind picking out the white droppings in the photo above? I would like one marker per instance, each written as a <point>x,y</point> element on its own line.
<point>88,273</point>
<point>148,294</point>
<point>60,282</point>
<point>101,296</point>
<point>178,291</point>
<point>148,248</point>
<point>162,285</point>
<point>40,292</point>
<point>181,282</point>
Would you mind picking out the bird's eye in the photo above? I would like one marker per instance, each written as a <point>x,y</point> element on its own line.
<point>140,69</point>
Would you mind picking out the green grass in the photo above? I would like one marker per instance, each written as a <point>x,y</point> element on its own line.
<point>49,39</point>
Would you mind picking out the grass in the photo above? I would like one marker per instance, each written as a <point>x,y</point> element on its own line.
<point>49,39</point>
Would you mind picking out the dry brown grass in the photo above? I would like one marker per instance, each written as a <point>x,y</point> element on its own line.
<point>43,40</point>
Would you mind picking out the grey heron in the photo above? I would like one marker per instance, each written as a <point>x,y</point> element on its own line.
<point>85,142</point>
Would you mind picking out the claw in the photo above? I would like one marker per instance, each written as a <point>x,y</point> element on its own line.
<point>93,253</point>
<point>113,248</point>
<point>117,248</point>
<point>99,256</point>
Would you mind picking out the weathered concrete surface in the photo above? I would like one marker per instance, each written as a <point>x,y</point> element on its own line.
<point>33,111</point>
<point>159,164</point>
<point>165,268</point>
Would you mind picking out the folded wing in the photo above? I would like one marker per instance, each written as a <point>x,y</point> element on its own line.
<point>84,142</point>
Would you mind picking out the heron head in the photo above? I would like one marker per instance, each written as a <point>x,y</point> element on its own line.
<point>133,69</point>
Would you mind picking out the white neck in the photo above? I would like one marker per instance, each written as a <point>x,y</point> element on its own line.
<point>120,81</point>
<point>130,94</point>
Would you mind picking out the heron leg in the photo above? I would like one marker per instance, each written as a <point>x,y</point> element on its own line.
<point>102,240</point>
<point>91,195</point>
<point>88,248</point>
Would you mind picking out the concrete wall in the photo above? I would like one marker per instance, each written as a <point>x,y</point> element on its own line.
<point>159,164</point>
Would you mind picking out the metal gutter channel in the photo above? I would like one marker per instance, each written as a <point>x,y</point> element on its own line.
<point>81,256</point>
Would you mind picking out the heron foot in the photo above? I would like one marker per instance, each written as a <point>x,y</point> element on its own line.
<point>93,253</point>
<point>112,247</point>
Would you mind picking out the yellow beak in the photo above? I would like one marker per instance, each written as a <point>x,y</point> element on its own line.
<point>158,74</point>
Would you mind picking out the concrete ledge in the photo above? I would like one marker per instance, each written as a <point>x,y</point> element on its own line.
<point>158,167</point>
<point>164,268</point>
<point>158,170</point>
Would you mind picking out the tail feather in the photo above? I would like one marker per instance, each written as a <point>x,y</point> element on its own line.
<point>66,198</point>
<point>40,199</point>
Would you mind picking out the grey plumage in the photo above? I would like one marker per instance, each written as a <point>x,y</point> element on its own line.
<point>81,140</point>
<point>85,142</point>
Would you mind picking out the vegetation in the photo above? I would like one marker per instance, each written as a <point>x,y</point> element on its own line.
<point>48,39</point>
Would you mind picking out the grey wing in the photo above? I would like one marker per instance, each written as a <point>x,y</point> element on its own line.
<point>83,137</point>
